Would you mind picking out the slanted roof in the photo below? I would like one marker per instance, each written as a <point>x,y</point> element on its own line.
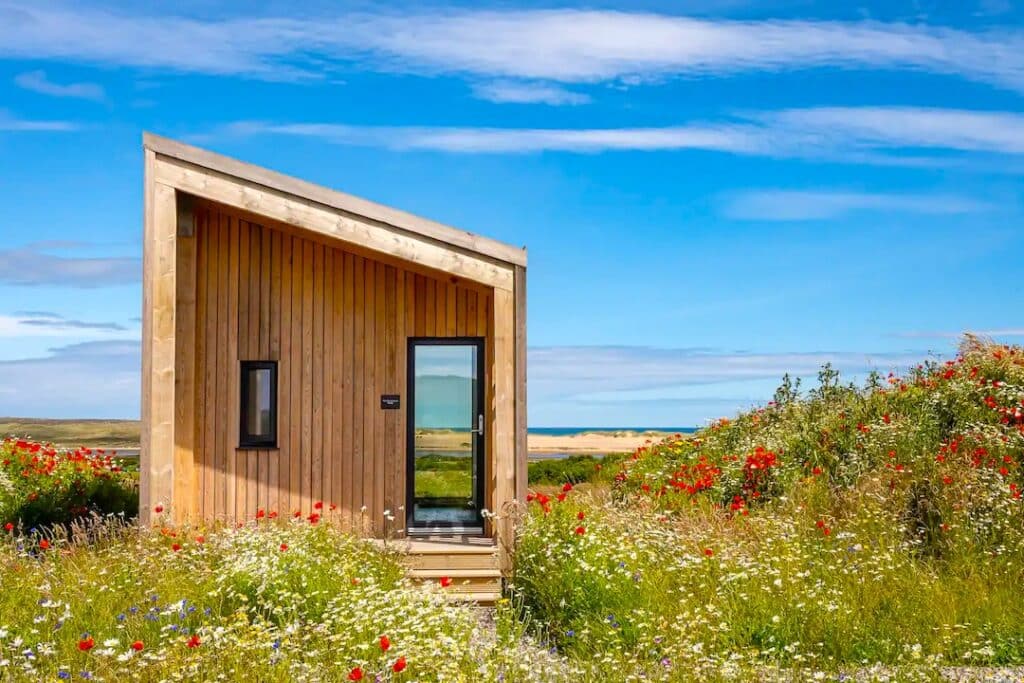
<point>213,176</point>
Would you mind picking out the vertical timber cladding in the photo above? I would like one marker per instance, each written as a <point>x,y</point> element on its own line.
<point>337,323</point>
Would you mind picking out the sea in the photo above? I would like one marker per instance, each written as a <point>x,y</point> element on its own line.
<point>570,431</point>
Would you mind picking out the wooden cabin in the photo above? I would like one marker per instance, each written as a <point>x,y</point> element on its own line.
<point>304,346</point>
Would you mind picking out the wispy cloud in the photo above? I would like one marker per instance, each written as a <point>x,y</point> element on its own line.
<point>32,266</point>
<point>45,320</point>
<point>37,81</point>
<point>565,45</point>
<point>485,140</point>
<point>569,371</point>
<point>880,135</point>
<point>800,205</point>
<point>513,92</point>
<point>9,123</point>
<point>103,378</point>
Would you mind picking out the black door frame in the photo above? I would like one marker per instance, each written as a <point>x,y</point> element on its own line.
<point>479,438</point>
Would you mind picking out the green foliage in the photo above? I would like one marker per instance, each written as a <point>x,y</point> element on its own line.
<point>269,601</point>
<point>827,531</point>
<point>576,469</point>
<point>42,486</point>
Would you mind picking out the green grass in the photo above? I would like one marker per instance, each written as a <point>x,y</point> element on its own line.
<point>830,531</point>
<point>873,531</point>
<point>74,433</point>
<point>265,602</point>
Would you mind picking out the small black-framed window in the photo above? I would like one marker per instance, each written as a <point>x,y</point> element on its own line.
<point>258,408</point>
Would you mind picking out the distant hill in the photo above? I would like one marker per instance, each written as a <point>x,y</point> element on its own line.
<point>108,433</point>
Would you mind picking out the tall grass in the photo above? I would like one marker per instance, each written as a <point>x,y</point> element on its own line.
<point>830,531</point>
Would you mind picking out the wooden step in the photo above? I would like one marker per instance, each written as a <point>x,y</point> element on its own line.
<point>443,561</point>
<point>462,581</point>
<point>470,563</point>
<point>483,599</point>
<point>455,574</point>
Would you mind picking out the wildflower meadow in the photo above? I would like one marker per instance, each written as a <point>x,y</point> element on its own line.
<point>870,532</point>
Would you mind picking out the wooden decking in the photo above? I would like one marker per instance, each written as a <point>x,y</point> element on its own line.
<point>471,562</point>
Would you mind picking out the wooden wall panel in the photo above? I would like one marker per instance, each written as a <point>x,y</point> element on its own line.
<point>337,323</point>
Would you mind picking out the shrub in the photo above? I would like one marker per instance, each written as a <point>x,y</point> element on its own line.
<point>268,601</point>
<point>575,469</point>
<point>842,528</point>
<point>41,485</point>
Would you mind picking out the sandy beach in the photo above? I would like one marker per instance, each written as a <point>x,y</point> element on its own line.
<point>541,444</point>
<point>125,434</point>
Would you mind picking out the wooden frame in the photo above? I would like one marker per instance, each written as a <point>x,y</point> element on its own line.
<point>479,446</point>
<point>241,262</point>
<point>246,439</point>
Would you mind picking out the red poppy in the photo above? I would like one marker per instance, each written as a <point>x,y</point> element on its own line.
<point>137,646</point>
<point>561,497</point>
<point>355,674</point>
<point>9,526</point>
<point>566,487</point>
<point>947,479</point>
<point>708,552</point>
<point>86,644</point>
<point>319,505</point>
<point>158,509</point>
<point>580,515</point>
<point>399,665</point>
<point>200,540</point>
<point>283,547</point>
<point>176,547</point>
<point>260,514</point>
<point>385,643</point>
<point>580,531</point>
<point>273,514</point>
<point>193,642</point>
<point>445,581</point>
<point>314,518</point>
<point>44,544</point>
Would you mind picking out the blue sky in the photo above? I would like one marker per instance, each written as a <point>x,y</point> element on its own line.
<point>712,193</point>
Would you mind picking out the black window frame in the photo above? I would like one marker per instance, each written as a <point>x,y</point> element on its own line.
<point>255,441</point>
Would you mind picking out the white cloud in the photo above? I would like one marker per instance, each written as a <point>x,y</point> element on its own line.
<point>795,205</point>
<point>32,266</point>
<point>47,324</point>
<point>485,140</point>
<point>90,379</point>
<point>9,123</point>
<point>918,127</point>
<point>881,135</point>
<point>512,92</point>
<point>37,81</point>
<point>571,371</point>
<point>565,45</point>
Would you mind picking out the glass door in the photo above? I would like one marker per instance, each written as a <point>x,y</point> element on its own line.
<point>445,441</point>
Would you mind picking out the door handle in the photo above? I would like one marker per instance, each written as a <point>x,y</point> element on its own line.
<point>479,425</point>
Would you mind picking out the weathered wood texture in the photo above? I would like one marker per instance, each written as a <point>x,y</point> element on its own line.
<point>158,343</point>
<point>337,323</point>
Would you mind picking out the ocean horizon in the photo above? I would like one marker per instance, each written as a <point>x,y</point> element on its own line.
<point>569,431</point>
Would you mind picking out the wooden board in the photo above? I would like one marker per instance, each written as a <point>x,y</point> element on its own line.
<point>317,218</point>
<point>337,323</point>
<point>258,177</point>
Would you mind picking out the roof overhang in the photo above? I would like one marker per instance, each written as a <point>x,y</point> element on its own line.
<point>329,213</point>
